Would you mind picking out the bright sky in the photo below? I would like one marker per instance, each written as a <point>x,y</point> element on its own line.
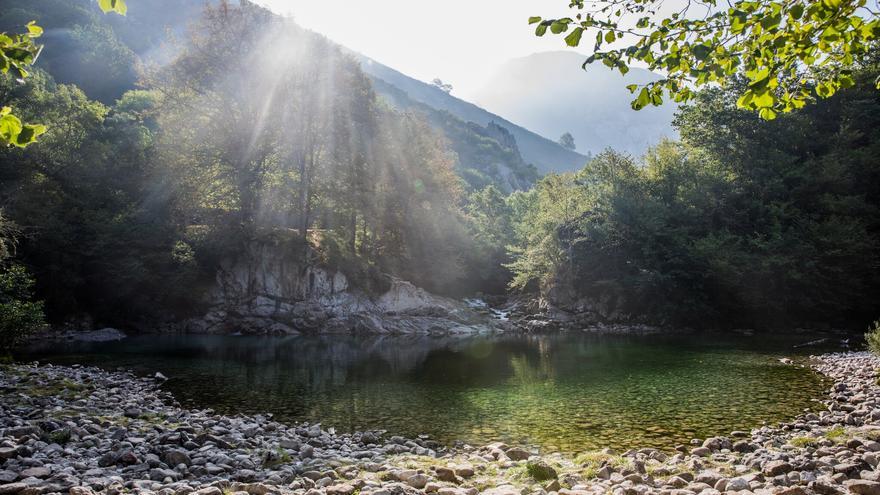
<point>460,41</point>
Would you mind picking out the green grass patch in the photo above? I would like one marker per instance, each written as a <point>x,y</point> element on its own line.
<point>591,462</point>
<point>837,434</point>
<point>804,442</point>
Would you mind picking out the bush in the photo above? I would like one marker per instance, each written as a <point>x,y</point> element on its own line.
<point>20,315</point>
<point>872,337</point>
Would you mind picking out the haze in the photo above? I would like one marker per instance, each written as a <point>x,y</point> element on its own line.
<point>462,43</point>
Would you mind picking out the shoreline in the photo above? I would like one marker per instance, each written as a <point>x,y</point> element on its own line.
<point>82,430</point>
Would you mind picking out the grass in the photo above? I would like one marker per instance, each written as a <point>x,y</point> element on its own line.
<point>591,462</point>
<point>837,434</point>
<point>804,442</point>
<point>61,436</point>
<point>872,337</point>
<point>539,471</point>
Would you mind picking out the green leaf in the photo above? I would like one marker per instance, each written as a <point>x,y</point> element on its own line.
<point>28,135</point>
<point>117,6</point>
<point>701,52</point>
<point>767,113</point>
<point>764,100</point>
<point>34,31</point>
<point>541,29</point>
<point>642,101</point>
<point>574,38</point>
<point>558,27</point>
<point>10,127</point>
<point>610,37</point>
<point>533,20</point>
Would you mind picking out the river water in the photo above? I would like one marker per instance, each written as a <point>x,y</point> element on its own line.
<point>569,392</point>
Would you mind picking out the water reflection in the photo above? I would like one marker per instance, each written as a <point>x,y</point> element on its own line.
<point>566,392</point>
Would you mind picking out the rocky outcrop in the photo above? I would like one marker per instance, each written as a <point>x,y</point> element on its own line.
<point>269,291</point>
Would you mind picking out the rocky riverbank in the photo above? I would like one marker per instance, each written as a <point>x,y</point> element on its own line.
<point>82,430</point>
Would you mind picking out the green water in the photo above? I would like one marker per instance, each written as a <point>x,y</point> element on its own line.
<point>570,392</point>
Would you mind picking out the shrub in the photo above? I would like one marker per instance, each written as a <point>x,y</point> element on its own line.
<point>20,315</point>
<point>872,337</point>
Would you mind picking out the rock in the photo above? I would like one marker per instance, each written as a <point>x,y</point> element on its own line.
<point>12,488</point>
<point>701,452</point>
<point>446,474</point>
<point>502,490</point>
<point>709,477</point>
<point>81,490</point>
<point>775,468</point>
<point>177,457</point>
<point>737,484</point>
<point>743,446</point>
<point>36,472</point>
<point>210,490</point>
<point>863,487</point>
<point>517,454</point>
<point>464,471</point>
<point>417,481</point>
<point>342,489</point>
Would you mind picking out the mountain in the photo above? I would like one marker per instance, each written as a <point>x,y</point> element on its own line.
<point>551,94</point>
<point>104,55</point>
<point>546,155</point>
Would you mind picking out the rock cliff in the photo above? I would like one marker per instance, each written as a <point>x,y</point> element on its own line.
<point>269,291</point>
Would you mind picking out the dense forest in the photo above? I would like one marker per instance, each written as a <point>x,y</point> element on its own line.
<point>153,170</point>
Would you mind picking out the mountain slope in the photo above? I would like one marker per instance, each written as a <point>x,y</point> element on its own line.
<point>544,154</point>
<point>550,93</point>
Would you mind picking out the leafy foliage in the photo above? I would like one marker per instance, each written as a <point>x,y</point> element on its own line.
<point>872,337</point>
<point>18,51</point>
<point>790,51</point>
<point>20,315</point>
<point>117,6</point>
<point>743,223</point>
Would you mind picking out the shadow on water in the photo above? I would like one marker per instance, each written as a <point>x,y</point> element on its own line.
<point>568,392</point>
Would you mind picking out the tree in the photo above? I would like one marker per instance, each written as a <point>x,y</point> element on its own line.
<point>567,141</point>
<point>446,88</point>
<point>790,51</point>
<point>743,223</point>
<point>18,51</point>
<point>20,314</point>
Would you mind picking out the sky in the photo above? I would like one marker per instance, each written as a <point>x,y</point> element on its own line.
<point>460,41</point>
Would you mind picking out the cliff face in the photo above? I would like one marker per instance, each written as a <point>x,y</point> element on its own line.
<point>269,291</point>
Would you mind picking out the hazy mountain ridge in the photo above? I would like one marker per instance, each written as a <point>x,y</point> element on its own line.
<point>550,93</point>
<point>490,149</point>
<point>546,155</point>
<point>486,154</point>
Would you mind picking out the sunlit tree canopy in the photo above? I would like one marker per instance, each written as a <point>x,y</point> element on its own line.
<point>791,51</point>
